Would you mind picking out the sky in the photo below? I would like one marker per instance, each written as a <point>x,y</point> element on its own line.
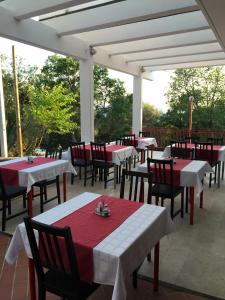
<point>153,91</point>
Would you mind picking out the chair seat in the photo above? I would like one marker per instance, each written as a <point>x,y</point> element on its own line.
<point>82,163</point>
<point>61,284</point>
<point>102,164</point>
<point>12,191</point>
<point>165,191</point>
<point>45,182</point>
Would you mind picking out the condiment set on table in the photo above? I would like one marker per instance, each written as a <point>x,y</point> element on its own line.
<point>102,209</point>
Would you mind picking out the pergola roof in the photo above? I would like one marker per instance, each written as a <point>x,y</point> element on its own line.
<point>126,35</point>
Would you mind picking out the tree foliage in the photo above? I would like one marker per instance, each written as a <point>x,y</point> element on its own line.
<point>151,116</point>
<point>207,85</point>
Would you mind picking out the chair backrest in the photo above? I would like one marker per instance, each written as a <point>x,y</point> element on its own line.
<point>136,185</point>
<point>54,153</point>
<point>78,151</point>
<point>98,152</point>
<point>54,250</point>
<point>215,140</point>
<point>162,170</point>
<point>144,134</point>
<point>128,140</point>
<point>204,151</point>
<point>180,149</point>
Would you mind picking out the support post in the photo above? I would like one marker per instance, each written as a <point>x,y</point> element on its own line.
<point>190,107</point>
<point>137,105</point>
<point>86,100</point>
<point>16,93</point>
<point>3,135</point>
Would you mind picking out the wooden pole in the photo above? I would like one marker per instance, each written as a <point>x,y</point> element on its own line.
<point>16,93</point>
<point>190,106</point>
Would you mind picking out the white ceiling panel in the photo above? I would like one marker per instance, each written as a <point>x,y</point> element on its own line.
<point>136,31</point>
<point>179,51</point>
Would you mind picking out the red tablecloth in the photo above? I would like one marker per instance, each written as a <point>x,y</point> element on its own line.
<point>177,167</point>
<point>109,150</point>
<point>89,229</point>
<point>10,172</point>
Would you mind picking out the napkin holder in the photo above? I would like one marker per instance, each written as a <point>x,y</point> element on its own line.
<point>30,160</point>
<point>102,210</point>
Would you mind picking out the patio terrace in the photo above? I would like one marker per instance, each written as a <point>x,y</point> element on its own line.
<point>191,258</point>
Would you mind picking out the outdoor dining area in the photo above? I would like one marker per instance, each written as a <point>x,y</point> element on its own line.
<point>112,209</point>
<point>103,230</point>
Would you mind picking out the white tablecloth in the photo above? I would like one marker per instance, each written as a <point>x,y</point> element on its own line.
<point>221,153</point>
<point>118,156</point>
<point>144,142</point>
<point>191,175</point>
<point>27,177</point>
<point>116,257</point>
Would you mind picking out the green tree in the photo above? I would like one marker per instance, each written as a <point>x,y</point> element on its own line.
<point>150,116</point>
<point>207,85</point>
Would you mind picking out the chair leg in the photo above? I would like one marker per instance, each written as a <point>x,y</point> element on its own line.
<point>172,208</point>
<point>222,177</point>
<point>45,192</point>
<point>149,259</point>
<point>85,175</point>
<point>41,199</point>
<point>4,214</point>
<point>210,180</point>
<point>9,207</point>
<point>58,189</point>
<point>135,279</point>
<point>105,177</point>
<point>93,176</point>
<point>182,205</point>
<point>24,201</point>
<point>215,176</point>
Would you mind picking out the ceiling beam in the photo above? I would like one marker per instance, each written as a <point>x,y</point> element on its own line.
<point>111,18</point>
<point>214,14</point>
<point>25,9</point>
<point>185,62</point>
<point>163,48</point>
<point>174,56</point>
<point>39,35</point>
<point>141,37</point>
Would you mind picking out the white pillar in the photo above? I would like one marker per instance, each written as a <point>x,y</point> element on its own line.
<point>137,105</point>
<point>3,136</point>
<point>86,100</point>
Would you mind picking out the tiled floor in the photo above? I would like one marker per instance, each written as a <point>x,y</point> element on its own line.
<point>192,257</point>
<point>14,283</point>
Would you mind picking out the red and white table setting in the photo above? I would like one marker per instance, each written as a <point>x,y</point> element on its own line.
<point>21,172</point>
<point>188,173</point>
<point>108,249</point>
<point>218,151</point>
<point>143,142</point>
<point>116,154</point>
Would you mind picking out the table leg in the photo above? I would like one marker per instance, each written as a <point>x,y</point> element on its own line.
<point>142,192</point>
<point>192,195</point>
<point>156,268</point>
<point>29,202</point>
<point>32,279</point>
<point>64,187</point>
<point>142,156</point>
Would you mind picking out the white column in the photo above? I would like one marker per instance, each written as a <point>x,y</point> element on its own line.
<point>3,136</point>
<point>137,105</point>
<point>86,100</point>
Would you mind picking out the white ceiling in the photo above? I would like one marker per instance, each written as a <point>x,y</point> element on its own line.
<point>127,35</point>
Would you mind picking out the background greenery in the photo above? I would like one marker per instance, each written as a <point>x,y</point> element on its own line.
<point>50,103</point>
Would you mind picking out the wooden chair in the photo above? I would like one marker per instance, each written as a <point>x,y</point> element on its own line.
<point>218,141</point>
<point>100,163</point>
<point>179,149</point>
<point>8,193</point>
<point>204,151</point>
<point>136,183</point>
<point>136,193</point>
<point>149,148</point>
<point>79,159</point>
<point>43,184</point>
<point>53,273</point>
<point>164,186</point>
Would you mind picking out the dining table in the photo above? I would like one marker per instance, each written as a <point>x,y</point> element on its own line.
<point>190,174</point>
<point>108,249</point>
<point>26,171</point>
